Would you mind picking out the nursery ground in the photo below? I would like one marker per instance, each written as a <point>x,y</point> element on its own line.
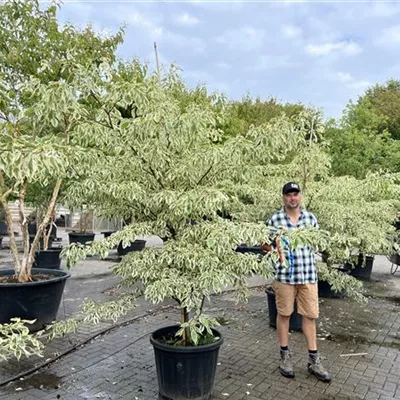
<point>360,346</point>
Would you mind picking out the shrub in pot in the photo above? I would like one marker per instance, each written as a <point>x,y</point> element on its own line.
<point>40,145</point>
<point>181,169</point>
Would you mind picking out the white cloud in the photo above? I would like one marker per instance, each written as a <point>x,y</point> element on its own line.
<point>349,81</point>
<point>139,20</point>
<point>343,47</point>
<point>187,19</point>
<point>390,36</point>
<point>291,31</point>
<point>274,62</point>
<point>153,27</point>
<point>245,38</point>
<point>344,77</point>
<point>223,65</point>
<point>359,84</point>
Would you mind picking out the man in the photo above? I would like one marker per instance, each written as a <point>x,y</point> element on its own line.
<point>296,282</point>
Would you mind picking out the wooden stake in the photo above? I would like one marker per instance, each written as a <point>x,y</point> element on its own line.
<point>353,354</point>
<point>157,63</point>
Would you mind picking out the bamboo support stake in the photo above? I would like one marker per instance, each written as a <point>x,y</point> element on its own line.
<point>157,63</point>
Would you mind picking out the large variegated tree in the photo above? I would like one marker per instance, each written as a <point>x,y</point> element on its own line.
<point>176,175</point>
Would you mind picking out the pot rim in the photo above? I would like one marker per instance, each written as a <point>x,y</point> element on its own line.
<point>59,275</point>
<point>185,349</point>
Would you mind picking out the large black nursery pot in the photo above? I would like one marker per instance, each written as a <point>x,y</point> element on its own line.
<point>32,229</point>
<point>3,228</point>
<point>80,237</point>
<point>49,259</point>
<point>38,300</point>
<point>185,372</point>
<point>325,289</point>
<point>136,245</point>
<point>360,270</point>
<point>41,241</point>
<point>250,249</point>
<point>295,319</point>
<point>107,233</point>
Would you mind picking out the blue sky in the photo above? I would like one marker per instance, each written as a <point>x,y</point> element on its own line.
<point>318,53</point>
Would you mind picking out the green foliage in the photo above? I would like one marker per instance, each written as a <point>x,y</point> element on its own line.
<point>247,112</point>
<point>175,173</point>
<point>41,108</point>
<point>367,137</point>
<point>357,152</point>
<point>15,339</point>
<point>342,282</point>
<point>378,109</point>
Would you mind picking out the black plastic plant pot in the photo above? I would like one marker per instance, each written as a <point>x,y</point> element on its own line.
<point>41,241</point>
<point>3,228</point>
<point>32,229</point>
<point>295,319</point>
<point>250,249</point>
<point>107,233</point>
<point>38,300</point>
<point>185,372</point>
<point>325,288</point>
<point>362,271</point>
<point>80,237</point>
<point>49,259</point>
<point>137,245</point>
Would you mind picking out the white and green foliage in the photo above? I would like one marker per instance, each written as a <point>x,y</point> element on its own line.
<point>173,176</point>
<point>358,213</point>
<point>15,339</point>
<point>40,111</point>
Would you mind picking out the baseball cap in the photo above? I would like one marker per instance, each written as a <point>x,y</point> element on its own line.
<point>290,187</point>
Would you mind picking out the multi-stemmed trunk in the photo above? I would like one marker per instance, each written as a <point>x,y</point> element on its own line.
<point>23,268</point>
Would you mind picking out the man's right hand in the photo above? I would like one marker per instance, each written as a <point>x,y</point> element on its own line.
<point>266,247</point>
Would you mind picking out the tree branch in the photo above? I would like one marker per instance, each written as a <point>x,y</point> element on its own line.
<point>152,172</point>
<point>10,229</point>
<point>23,222</point>
<point>24,274</point>
<point>204,175</point>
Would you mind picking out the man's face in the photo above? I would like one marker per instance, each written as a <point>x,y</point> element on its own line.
<point>292,200</point>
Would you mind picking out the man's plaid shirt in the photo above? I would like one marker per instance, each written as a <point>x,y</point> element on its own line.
<point>303,257</point>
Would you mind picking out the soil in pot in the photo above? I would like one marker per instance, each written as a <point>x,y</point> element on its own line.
<point>184,372</point>
<point>39,299</point>
<point>49,259</point>
<point>137,245</point>
<point>295,323</point>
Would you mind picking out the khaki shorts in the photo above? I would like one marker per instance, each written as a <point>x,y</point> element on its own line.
<point>306,296</point>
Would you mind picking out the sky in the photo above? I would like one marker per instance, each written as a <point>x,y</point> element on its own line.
<point>320,53</point>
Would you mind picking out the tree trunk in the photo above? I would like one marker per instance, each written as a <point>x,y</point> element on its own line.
<point>25,274</point>
<point>13,243</point>
<point>186,332</point>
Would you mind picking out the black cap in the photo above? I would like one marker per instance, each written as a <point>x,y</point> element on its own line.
<point>290,187</point>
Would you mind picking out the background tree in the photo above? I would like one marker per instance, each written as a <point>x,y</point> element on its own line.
<point>40,110</point>
<point>366,137</point>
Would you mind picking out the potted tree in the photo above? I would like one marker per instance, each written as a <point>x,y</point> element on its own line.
<point>40,142</point>
<point>183,172</point>
<point>84,234</point>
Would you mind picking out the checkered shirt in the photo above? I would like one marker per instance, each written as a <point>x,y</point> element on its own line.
<point>303,270</point>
